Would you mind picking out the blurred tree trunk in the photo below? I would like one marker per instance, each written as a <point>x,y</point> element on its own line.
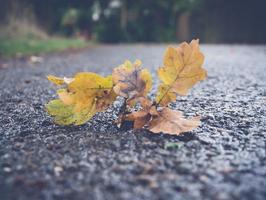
<point>183,26</point>
<point>124,14</point>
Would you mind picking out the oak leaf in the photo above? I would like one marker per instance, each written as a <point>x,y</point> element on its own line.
<point>65,114</point>
<point>172,122</point>
<point>131,81</point>
<point>161,119</point>
<point>142,117</point>
<point>85,95</point>
<point>59,81</point>
<point>82,96</point>
<point>181,70</point>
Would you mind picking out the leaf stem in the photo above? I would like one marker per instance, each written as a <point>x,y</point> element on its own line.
<point>170,86</point>
<point>122,110</point>
<point>157,104</point>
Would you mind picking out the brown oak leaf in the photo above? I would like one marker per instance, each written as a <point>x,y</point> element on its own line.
<point>142,117</point>
<point>131,81</point>
<point>172,122</point>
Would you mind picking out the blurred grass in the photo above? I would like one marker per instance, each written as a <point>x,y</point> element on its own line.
<point>11,47</point>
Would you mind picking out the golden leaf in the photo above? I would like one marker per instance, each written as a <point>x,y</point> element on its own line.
<point>182,69</point>
<point>59,81</point>
<point>65,114</point>
<point>86,95</point>
<point>172,122</point>
<point>88,88</point>
<point>131,80</point>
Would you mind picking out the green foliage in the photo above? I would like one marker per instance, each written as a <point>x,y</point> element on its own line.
<point>24,46</point>
<point>109,30</point>
<point>70,17</point>
<point>144,20</point>
<point>149,20</point>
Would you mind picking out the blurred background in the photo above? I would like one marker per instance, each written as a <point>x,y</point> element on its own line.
<point>36,26</point>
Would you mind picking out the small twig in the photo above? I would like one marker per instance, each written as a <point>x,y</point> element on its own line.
<point>123,110</point>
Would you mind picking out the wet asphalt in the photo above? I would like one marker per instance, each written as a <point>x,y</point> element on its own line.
<point>225,158</point>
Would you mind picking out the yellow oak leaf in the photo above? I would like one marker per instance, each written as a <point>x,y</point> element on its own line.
<point>131,81</point>
<point>59,81</point>
<point>88,88</point>
<point>65,114</point>
<point>172,122</point>
<point>86,95</point>
<point>181,70</point>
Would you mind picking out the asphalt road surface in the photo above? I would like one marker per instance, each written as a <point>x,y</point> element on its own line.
<point>225,158</point>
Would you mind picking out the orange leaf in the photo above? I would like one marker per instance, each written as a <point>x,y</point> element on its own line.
<point>141,117</point>
<point>172,122</point>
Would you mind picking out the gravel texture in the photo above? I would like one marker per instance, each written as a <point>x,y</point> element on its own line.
<point>225,158</point>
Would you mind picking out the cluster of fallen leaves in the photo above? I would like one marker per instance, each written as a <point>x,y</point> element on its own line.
<point>82,96</point>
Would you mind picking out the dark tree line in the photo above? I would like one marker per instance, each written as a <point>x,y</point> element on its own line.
<point>234,21</point>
